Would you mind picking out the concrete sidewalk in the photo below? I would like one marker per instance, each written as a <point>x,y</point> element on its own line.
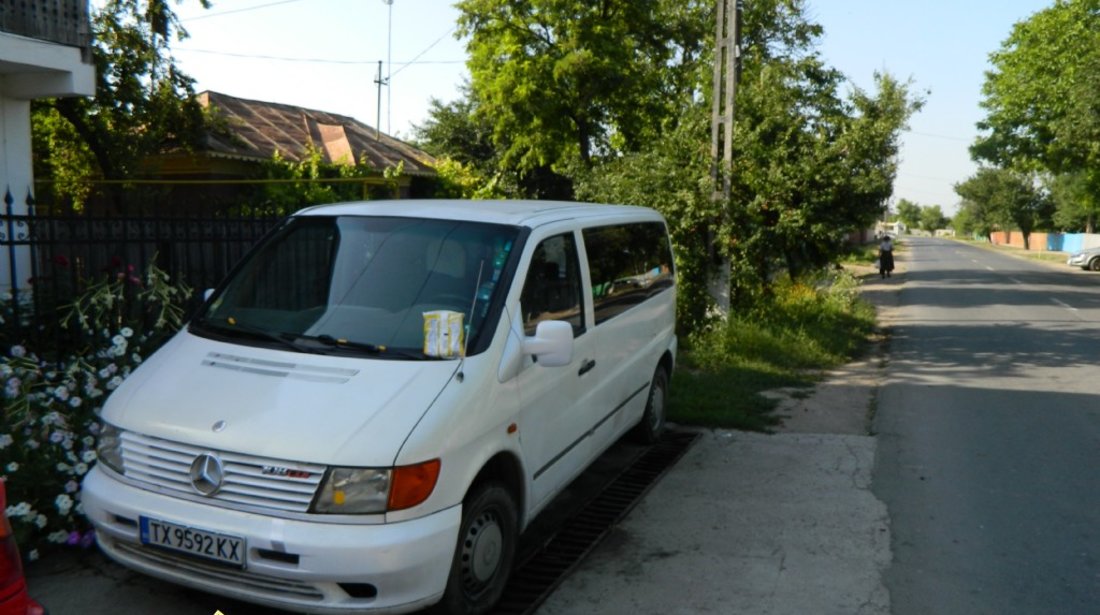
<point>745,523</point>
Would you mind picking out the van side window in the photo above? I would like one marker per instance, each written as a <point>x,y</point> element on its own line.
<point>552,289</point>
<point>628,263</point>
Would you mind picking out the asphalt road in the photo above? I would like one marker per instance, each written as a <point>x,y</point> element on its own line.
<point>988,428</point>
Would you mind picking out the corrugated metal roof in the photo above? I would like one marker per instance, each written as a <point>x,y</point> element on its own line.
<point>260,129</point>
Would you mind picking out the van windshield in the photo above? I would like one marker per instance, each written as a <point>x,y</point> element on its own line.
<point>359,284</point>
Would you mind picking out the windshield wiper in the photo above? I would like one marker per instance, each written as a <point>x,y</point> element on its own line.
<point>233,328</point>
<point>374,349</point>
<point>333,342</point>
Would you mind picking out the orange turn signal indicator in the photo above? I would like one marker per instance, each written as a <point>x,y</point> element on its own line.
<point>413,484</point>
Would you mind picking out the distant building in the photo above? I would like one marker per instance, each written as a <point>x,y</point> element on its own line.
<point>253,132</point>
<point>894,229</point>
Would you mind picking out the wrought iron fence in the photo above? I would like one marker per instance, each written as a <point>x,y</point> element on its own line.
<point>53,257</point>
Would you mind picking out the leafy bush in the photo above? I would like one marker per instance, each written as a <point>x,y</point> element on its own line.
<point>49,425</point>
<point>783,340</point>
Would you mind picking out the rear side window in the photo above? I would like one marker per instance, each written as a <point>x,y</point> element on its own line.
<point>628,264</point>
<point>552,289</point>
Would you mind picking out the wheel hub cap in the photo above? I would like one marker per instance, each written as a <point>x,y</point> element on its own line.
<point>483,547</point>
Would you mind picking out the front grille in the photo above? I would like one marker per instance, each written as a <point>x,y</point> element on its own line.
<point>248,480</point>
<point>220,575</point>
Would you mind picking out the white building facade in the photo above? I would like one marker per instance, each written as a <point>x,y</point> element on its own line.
<point>45,52</point>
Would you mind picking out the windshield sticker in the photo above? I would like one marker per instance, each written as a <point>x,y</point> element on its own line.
<point>443,333</point>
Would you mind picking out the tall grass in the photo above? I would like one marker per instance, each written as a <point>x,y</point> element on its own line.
<point>787,340</point>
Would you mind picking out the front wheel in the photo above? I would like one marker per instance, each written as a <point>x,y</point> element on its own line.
<point>485,552</point>
<point>1094,264</point>
<point>652,425</point>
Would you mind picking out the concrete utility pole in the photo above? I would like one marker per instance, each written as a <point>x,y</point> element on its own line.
<point>389,67</point>
<point>726,51</point>
<point>378,120</point>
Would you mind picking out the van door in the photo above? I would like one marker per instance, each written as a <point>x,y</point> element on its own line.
<point>633,315</point>
<point>557,402</point>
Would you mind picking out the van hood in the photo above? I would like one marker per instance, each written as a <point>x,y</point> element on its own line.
<point>279,404</point>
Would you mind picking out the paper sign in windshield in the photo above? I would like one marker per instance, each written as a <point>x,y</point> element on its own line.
<point>443,333</point>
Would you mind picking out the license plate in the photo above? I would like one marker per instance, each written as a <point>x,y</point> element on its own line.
<point>194,541</point>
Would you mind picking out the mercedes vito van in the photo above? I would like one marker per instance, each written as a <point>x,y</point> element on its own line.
<point>366,414</point>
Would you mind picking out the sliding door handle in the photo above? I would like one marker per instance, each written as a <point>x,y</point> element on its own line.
<point>586,366</point>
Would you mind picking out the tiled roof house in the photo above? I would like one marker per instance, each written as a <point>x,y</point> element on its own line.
<point>253,131</point>
<point>262,128</point>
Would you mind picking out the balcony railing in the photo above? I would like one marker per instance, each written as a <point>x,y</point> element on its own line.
<point>59,21</point>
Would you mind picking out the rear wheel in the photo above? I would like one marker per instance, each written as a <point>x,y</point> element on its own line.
<point>651,427</point>
<point>485,552</point>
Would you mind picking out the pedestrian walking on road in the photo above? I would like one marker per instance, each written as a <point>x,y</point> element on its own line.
<point>885,256</point>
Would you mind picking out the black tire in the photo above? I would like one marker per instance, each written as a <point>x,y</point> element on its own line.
<point>485,552</point>
<point>652,425</point>
<point>1094,264</point>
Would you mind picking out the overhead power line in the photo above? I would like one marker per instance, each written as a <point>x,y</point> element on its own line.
<point>257,56</point>
<point>241,10</point>
<point>426,50</point>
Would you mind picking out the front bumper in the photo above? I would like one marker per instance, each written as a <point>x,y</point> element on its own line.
<point>1079,260</point>
<point>290,564</point>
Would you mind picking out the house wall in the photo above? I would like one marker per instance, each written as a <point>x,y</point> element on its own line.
<point>30,68</point>
<point>15,148</point>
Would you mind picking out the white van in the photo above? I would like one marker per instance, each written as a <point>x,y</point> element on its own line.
<point>381,396</point>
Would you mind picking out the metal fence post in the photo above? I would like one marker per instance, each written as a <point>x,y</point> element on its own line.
<point>12,268</point>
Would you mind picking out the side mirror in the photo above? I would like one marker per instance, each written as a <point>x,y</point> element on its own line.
<point>552,345</point>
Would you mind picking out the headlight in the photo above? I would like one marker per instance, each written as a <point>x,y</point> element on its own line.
<point>353,491</point>
<point>109,447</point>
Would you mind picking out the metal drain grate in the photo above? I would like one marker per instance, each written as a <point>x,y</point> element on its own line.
<point>539,574</point>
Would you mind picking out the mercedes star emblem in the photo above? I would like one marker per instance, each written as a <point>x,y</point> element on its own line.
<point>207,474</point>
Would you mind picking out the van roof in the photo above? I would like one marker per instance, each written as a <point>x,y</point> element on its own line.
<point>518,212</point>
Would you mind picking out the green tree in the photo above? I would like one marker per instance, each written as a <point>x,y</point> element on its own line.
<point>1042,112</point>
<point>1073,202</point>
<point>143,104</point>
<point>965,223</point>
<point>469,159</point>
<point>1006,199</point>
<point>932,218</point>
<point>809,164</point>
<point>453,131</point>
<point>562,82</point>
<point>672,176</point>
<point>909,213</point>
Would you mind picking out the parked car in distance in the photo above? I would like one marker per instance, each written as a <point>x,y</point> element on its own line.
<point>1088,259</point>
<point>381,396</point>
<point>14,599</point>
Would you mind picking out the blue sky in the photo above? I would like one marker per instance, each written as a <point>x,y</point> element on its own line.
<point>324,54</point>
